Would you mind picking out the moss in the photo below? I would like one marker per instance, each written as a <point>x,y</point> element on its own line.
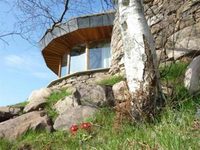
<point>111,80</point>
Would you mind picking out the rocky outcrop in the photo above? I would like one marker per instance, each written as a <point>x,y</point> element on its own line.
<point>37,99</point>
<point>192,76</point>
<point>72,116</point>
<point>8,112</point>
<point>13,128</point>
<point>95,95</point>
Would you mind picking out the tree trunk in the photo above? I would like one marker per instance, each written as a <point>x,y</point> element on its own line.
<point>139,59</point>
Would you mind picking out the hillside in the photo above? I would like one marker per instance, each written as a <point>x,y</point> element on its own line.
<point>177,126</point>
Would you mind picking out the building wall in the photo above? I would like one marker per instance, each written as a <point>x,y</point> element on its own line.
<point>117,63</point>
<point>175,25</point>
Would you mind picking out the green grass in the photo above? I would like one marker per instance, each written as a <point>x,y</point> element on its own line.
<point>174,71</point>
<point>21,105</point>
<point>52,99</point>
<point>111,80</point>
<point>172,130</point>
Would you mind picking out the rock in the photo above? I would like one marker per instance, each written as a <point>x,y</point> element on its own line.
<point>72,116</point>
<point>99,77</point>
<point>120,91</point>
<point>8,112</point>
<point>37,99</point>
<point>64,104</point>
<point>94,95</point>
<point>83,77</point>
<point>13,128</point>
<point>197,115</point>
<point>192,76</point>
<point>167,90</point>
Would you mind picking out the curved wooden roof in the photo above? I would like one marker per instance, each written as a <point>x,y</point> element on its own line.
<point>81,30</point>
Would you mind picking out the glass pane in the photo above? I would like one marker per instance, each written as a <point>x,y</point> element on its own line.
<point>64,71</point>
<point>77,61</point>
<point>100,56</point>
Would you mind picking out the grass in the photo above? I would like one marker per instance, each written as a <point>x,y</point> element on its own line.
<point>111,80</point>
<point>174,71</point>
<point>21,105</point>
<point>52,99</point>
<point>173,129</point>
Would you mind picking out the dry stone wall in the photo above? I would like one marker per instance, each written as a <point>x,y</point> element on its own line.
<point>117,63</point>
<point>175,25</point>
<point>75,80</point>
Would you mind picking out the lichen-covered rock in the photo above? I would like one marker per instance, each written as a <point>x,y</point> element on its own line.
<point>8,112</point>
<point>37,99</point>
<point>192,76</point>
<point>72,116</point>
<point>66,103</point>
<point>13,128</point>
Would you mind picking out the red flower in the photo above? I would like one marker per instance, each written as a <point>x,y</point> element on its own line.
<point>73,129</point>
<point>86,125</point>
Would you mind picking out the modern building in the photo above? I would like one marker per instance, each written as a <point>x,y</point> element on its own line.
<point>80,44</point>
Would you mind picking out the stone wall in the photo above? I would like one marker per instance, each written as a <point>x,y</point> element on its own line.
<point>74,80</point>
<point>175,25</point>
<point>117,63</point>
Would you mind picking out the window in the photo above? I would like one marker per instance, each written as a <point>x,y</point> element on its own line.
<point>100,56</point>
<point>77,59</point>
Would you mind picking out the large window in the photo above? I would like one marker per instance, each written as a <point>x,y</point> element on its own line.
<point>100,56</point>
<point>77,59</point>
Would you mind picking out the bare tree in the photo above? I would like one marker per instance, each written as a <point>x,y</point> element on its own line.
<point>36,16</point>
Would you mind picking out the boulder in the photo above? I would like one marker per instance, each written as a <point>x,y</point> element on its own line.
<point>94,95</point>
<point>8,112</point>
<point>37,99</point>
<point>64,104</point>
<point>184,42</point>
<point>192,76</point>
<point>72,116</point>
<point>120,91</point>
<point>13,128</point>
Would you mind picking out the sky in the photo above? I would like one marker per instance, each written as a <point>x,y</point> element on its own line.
<point>22,67</point>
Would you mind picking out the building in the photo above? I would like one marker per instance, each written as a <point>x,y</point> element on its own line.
<point>81,44</point>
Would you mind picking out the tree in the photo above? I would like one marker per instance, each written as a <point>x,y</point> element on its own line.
<point>36,16</point>
<point>4,33</point>
<point>140,59</point>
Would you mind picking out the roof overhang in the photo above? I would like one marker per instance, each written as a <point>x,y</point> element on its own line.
<point>55,43</point>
